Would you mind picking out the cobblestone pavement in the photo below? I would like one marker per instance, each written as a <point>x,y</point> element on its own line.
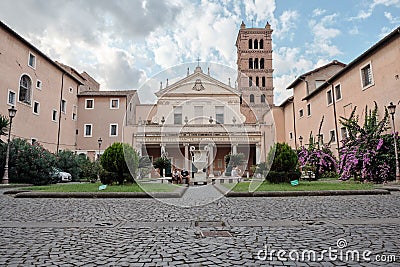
<point>148,232</point>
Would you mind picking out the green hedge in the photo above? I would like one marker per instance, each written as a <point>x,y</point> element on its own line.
<point>282,177</point>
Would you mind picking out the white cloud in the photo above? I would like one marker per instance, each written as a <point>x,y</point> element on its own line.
<point>318,12</point>
<point>323,33</point>
<point>286,24</point>
<point>364,14</point>
<point>354,30</point>
<point>392,20</point>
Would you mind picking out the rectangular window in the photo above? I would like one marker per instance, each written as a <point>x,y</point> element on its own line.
<point>308,109</point>
<point>290,135</point>
<point>219,114</point>
<point>338,92</point>
<point>114,129</point>
<point>301,113</point>
<point>366,75</point>
<point>11,97</point>
<point>177,115</point>
<point>32,60</point>
<point>343,132</point>
<point>74,112</point>
<point>329,98</point>
<point>89,104</point>
<point>39,84</point>
<point>332,136</point>
<point>88,130</point>
<point>36,107</point>
<point>114,104</point>
<point>198,114</point>
<point>63,106</point>
<point>54,115</point>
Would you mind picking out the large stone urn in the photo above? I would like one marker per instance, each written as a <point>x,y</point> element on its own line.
<point>200,161</point>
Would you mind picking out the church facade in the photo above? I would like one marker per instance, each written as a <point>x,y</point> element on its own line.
<point>201,112</point>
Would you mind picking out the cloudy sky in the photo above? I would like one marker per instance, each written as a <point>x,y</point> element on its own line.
<point>123,43</point>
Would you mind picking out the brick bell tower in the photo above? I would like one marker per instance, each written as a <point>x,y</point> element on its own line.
<point>254,81</point>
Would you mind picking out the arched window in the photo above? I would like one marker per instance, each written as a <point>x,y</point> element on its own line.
<point>250,44</point>
<point>250,63</point>
<point>255,44</point>
<point>25,87</point>
<point>251,98</point>
<point>263,81</point>
<point>257,81</point>
<point>241,99</point>
<point>262,63</point>
<point>256,63</point>
<point>261,44</point>
<point>250,81</point>
<point>262,98</point>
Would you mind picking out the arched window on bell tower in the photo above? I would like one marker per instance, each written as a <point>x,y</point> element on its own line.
<point>256,63</point>
<point>255,44</point>
<point>262,63</point>
<point>251,98</point>
<point>263,81</point>
<point>257,81</point>
<point>262,98</point>
<point>250,81</point>
<point>250,44</point>
<point>261,44</point>
<point>250,63</point>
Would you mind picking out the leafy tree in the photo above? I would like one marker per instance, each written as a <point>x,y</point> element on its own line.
<point>282,158</point>
<point>162,163</point>
<point>144,165</point>
<point>364,152</point>
<point>89,170</point>
<point>30,163</point>
<point>122,160</point>
<point>68,162</point>
<point>4,123</point>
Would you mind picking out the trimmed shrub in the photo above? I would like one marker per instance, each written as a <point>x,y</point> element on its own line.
<point>120,159</point>
<point>282,177</point>
<point>283,158</point>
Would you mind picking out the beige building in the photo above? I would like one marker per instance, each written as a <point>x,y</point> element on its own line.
<point>371,77</point>
<point>103,115</point>
<point>42,91</point>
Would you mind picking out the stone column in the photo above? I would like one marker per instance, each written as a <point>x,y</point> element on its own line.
<point>258,153</point>
<point>186,157</point>
<point>234,148</point>
<point>211,160</point>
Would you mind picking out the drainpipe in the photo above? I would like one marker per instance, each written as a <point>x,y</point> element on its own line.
<point>294,123</point>
<point>59,112</point>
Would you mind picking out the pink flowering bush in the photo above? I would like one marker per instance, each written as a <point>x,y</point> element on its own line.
<point>367,154</point>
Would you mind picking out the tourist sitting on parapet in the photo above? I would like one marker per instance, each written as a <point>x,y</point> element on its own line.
<point>185,175</point>
<point>176,176</point>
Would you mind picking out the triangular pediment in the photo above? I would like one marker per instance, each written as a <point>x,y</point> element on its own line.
<point>197,84</point>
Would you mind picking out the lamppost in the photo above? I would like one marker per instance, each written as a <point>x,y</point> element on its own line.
<point>392,111</point>
<point>11,113</point>
<point>99,142</point>
<point>301,140</point>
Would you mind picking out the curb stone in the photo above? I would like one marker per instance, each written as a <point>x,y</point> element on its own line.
<point>178,193</point>
<point>228,193</point>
